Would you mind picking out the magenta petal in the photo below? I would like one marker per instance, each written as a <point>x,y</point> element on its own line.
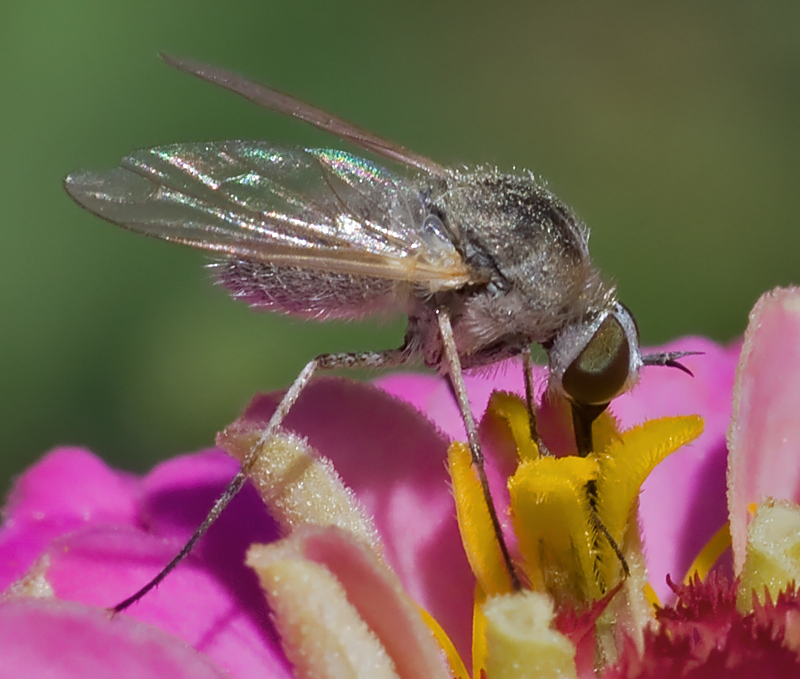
<point>61,640</point>
<point>98,535</point>
<point>66,490</point>
<point>764,436</point>
<point>431,395</point>
<point>71,482</point>
<point>176,495</point>
<point>394,460</point>
<point>196,604</point>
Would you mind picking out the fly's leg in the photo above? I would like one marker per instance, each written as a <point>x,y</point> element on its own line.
<point>591,490</point>
<point>530,399</point>
<point>457,382</point>
<point>367,359</point>
<point>582,418</point>
<point>601,528</point>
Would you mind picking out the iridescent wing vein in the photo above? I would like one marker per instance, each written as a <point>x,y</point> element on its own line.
<point>309,208</point>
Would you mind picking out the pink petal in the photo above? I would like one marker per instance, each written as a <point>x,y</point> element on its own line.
<point>67,489</point>
<point>431,395</point>
<point>683,501</point>
<point>61,640</point>
<point>103,534</point>
<point>764,437</point>
<point>196,604</point>
<point>395,462</point>
<point>381,601</point>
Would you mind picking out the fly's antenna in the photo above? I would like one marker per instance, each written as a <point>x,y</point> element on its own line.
<point>670,359</point>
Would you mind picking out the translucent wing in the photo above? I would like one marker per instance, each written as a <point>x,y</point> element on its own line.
<point>309,208</point>
<point>286,104</point>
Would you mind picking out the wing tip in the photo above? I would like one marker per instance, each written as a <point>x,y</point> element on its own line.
<point>181,63</point>
<point>75,184</point>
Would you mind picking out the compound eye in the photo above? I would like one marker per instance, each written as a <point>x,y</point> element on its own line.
<point>600,371</point>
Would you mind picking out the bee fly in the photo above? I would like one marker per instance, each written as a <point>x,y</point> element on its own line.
<point>483,263</point>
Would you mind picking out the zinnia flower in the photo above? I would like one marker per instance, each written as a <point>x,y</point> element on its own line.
<point>79,537</point>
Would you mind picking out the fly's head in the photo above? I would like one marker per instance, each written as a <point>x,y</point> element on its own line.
<point>595,360</point>
<point>592,362</point>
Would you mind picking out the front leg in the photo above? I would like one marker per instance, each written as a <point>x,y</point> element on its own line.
<point>456,376</point>
<point>530,399</point>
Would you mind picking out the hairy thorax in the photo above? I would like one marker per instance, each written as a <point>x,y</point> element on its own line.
<point>533,252</point>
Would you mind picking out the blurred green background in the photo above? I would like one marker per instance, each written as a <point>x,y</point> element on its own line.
<point>673,129</point>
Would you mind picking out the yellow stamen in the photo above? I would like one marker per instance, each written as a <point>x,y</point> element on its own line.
<point>709,555</point>
<point>624,466</point>
<point>605,431</point>
<point>651,596</point>
<point>453,659</point>
<point>475,524</point>
<point>509,410</point>
<point>558,507</point>
<point>478,635</point>
<point>521,641</point>
<point>772,559</point>
<point>552,519</point>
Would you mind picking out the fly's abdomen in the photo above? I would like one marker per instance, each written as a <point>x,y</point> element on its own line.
<point>307,293</point>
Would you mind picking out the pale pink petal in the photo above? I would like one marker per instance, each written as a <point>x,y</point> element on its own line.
<point>764,436</point>
<point>371,589</point>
